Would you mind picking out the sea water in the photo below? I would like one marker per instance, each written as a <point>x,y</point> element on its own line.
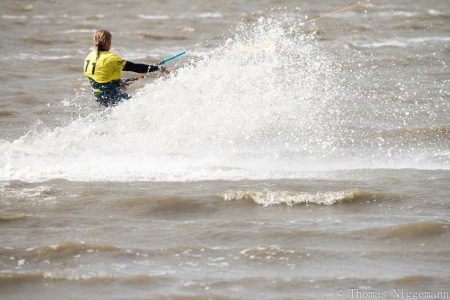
<point>278,160</point>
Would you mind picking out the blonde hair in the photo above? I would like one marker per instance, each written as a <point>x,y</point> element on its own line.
<point>100,39</point>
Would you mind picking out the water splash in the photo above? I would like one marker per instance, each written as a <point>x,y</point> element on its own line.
<point>268,103</point>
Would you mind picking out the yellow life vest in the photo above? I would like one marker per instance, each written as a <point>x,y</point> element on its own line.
<point>105,69</point>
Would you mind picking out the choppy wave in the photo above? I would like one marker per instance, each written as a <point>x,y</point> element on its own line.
<point>17,192</point>
<point>268,198</point>
<point>11,217</point>
<point>20,277</point>
<point>156,36</point>
<point>417,232</point>
<point>402,42</point>
<point>59,250</point>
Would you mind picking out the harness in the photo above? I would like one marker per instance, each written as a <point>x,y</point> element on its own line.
<point>109,93</point>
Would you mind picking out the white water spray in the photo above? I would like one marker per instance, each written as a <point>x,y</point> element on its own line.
<point>269,103</point>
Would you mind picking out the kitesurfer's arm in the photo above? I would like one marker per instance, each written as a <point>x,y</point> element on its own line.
<point>143,68</point>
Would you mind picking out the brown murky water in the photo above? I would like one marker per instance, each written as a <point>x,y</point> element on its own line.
<point>291,162</point>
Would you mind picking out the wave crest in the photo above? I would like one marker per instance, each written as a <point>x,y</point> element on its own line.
<point>269,198</point>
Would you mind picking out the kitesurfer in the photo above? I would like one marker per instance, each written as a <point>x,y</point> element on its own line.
<point>103,68</point>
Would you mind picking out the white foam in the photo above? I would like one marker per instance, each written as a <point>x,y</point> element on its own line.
<point>276,110</point>
<point>210,15</point>
<point>154,17</point>
<point>269,198</point>
<point>13,17</point>
<point>401,42</point>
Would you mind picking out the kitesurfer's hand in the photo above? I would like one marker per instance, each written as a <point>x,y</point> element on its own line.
<point>123,86</point>
<point>163,70</point>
